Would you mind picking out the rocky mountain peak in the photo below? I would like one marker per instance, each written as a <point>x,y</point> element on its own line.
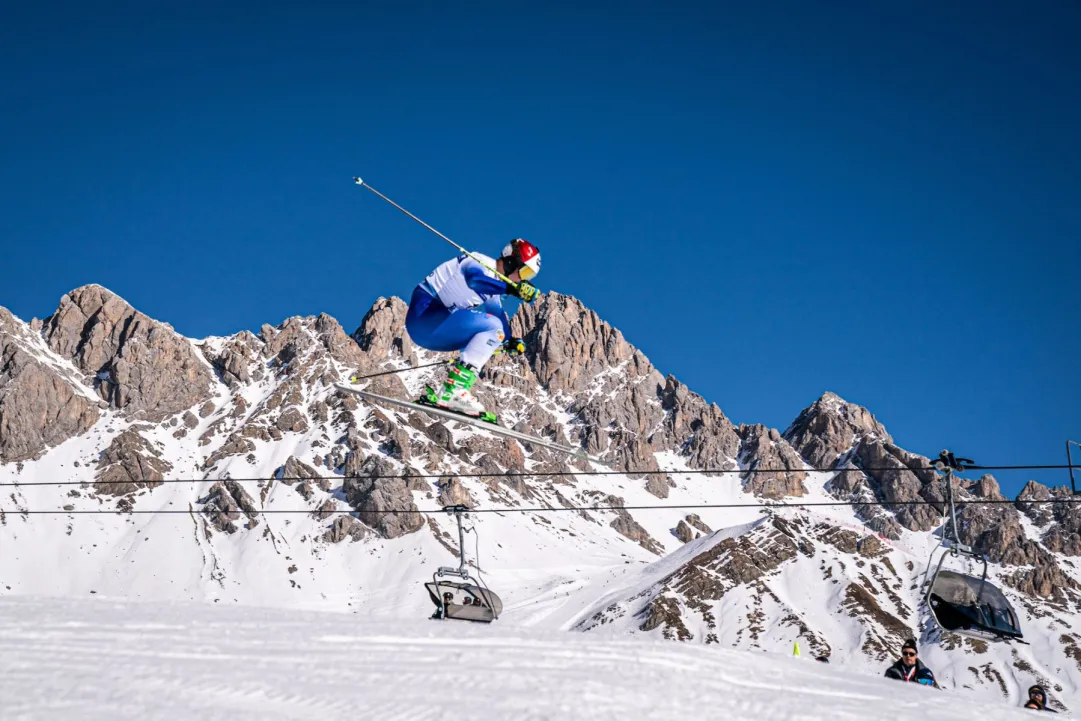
<point>570,346</point>
<point>831,426</point>
<point>138,365</point>
<point>41,401</point>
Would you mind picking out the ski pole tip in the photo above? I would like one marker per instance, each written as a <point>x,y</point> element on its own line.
<point>358,181</point>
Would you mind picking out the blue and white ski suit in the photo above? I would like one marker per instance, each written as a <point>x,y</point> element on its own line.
<point>459,306</point>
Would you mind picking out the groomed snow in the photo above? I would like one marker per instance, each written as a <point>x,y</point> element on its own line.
<point>107,659</point>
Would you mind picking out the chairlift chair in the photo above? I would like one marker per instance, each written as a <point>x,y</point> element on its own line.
<point>467,599</point>
<point>960,603</point>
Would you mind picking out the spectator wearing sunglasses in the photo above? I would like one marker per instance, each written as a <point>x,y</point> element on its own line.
<point>909,668</point>
<point>1037,699</point>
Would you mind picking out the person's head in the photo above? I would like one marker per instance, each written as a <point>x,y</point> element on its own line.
<point>909,653</point>
<point>1036,693</point>
<point>520,260</point>
<point>823,659</point>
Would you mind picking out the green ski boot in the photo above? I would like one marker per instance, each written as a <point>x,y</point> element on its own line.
<point>456,395</point>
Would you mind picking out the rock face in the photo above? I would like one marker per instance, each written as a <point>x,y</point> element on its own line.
<point>763,448</point>
<point>345,527</point>
<point>842,435</point>
<point>382,331</point>
<point>696,429</point>
<point>691,528</point>
<point>40,405</point>
<point>234,361</point>
<point>626,526</point>
<point>382,498</point>
<point>830,427</point>
<point>225,504</point>
<point>140,366</point>
<point>626,408</point>
<point>833,433</point>
<point>453,493</point>
<point>128,464</point>
<point>1059,522</point>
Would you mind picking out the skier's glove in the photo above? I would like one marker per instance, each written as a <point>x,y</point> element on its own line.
<point>523,290</point>
<point>514,346</point>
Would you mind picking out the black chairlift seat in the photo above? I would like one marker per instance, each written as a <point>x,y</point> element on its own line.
<point>464,601</point>
<point>972,606</point>
<point>959,603</point>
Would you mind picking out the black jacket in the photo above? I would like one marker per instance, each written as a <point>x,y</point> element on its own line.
<point>1036,706</point>
<point>914,674</point>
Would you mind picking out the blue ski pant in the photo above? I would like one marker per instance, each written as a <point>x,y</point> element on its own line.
<point>476,332</point>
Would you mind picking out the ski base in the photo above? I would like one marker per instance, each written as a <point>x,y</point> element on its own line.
<point>431,398</point>
<point>489,425</point>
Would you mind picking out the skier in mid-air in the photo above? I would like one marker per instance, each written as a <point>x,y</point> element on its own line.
<point>459,306</point>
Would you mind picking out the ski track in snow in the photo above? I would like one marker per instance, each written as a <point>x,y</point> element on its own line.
<point>105,659</point>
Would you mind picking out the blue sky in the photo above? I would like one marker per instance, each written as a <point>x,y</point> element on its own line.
<point>770,199</point>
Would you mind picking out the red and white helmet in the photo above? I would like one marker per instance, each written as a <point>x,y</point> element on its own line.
<point>522,256</point>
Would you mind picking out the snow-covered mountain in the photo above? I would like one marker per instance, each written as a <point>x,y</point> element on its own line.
<point>232,471</point>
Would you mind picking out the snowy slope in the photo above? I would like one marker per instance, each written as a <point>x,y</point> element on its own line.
<point>111,659</point>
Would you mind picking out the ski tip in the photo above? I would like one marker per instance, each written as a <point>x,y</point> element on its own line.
<point>358,181</point>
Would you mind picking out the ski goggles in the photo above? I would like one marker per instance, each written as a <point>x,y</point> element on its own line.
<point>526,273</point>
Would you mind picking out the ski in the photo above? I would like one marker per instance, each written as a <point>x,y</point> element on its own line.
<point>476,422</point>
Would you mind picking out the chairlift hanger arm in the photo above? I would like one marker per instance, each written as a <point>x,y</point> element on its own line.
<point>948,461</point>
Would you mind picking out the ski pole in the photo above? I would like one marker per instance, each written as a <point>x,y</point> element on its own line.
<point>502,277</point>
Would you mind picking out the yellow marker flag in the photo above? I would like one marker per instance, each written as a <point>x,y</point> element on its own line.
<point>795,650</point>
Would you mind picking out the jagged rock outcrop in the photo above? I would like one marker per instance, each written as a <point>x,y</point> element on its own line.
<point>763,450</point>
<point>696,429</point>
<point>1061,521</point>
<point>381,496</point>
<point>311,337</point>
<point>129,463</point>
<point>306,478</point>
<point>40,405</point>
<point>833,433</point>
<point>226,502</point>
<point>237,360</point>
<point>695,522</point>
<point>684,532</point>
<point>382,331</point>
<point>885,632</point>
<point>625,525</point>
<point>996,530</point>
<point>737,560</point>
<point>831,426</point>
<point>658,485</point>
<point>294,469</point>
<point>325,510</point>
<point>345,527</point>
<point>901,477</point>
<point>453,493</point>
<point>706,578</point>
<point>140,366</point>
<point>570,346</point>
<point>664,613</point>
